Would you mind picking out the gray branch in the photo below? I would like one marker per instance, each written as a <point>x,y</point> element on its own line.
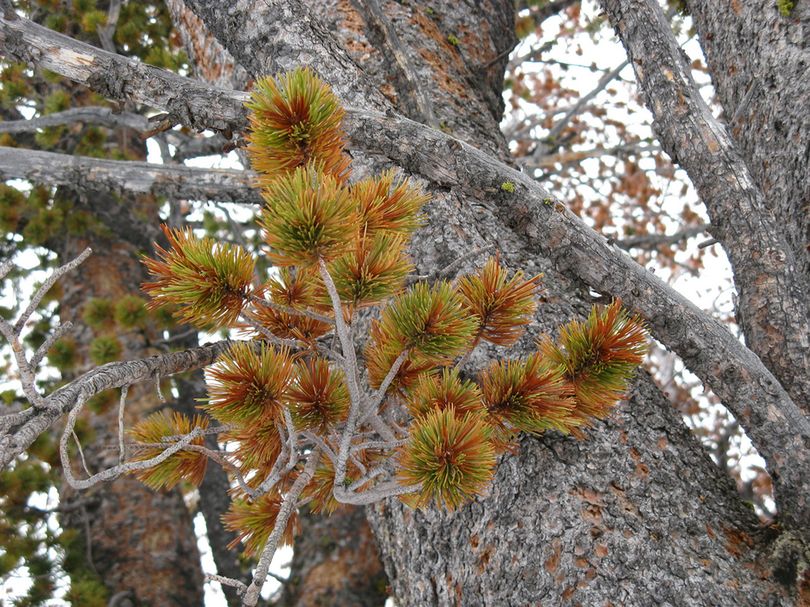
<point>15,438</point>
<point>772,310</point>
<point>117,176</point>
<point>200,105</point>
<point>101,116</point>
<point>652,241</point>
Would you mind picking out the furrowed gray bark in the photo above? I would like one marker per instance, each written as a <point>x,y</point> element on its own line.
<point>609,501</point>
<point>209,60</point>
<point>613,520</point>
<point>770,417</point>
<point>759,61</point>
<point>712,353</point>
<point>305,42</point>
<point>121,177</point>
<point>772,308</point>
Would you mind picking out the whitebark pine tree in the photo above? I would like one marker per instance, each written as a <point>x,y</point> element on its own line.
<point>637,514</point>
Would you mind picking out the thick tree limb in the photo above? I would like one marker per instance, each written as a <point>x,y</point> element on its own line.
<point>16,438</point>
<point>708,349</point>
<point>765,100</point>
<point>772,310</point>
<point>97,174</point>
<point>187,101</point>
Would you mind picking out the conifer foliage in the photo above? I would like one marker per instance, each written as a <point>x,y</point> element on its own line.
<point>310,425</point>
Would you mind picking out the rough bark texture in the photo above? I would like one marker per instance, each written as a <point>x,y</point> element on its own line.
<point>709,350</point>
<point>123,177</point>
<point>772,303</point>
<point>209,59</point>
<point>772,293</point>
<point>637,515</point>
<point>619,518</point>
<point>117,77</point>
<point>760,66</point>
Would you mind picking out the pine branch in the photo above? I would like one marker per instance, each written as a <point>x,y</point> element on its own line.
<point>117,176</point>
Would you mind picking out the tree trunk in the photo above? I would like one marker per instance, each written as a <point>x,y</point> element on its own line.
<point>335,562</point>
<point>637,514</point>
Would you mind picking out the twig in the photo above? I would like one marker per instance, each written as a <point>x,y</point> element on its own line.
<point>81,453</point>
<point>656,240</point>
<point>286,509</point>
<point>102,116</point>
<point>115,471</point>
<point>320,442</point>
<point>46,286</point>
<point>290,310</point>
<point>107,31</point>
<point>122,456</point>
<point>217,456</point>
<point>391,489</point>
<point>13,334</point>
<point>381,427</point>
<point>382,445</point>
<point>57,334</point>
<point>577,108</point>
<point>453,265</point>
<point>379,395</point>
<point>350,370</point>
<point>368,477</point>
<point>241,587</point>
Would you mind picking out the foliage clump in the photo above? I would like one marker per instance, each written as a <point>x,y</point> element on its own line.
<point>310,423</point>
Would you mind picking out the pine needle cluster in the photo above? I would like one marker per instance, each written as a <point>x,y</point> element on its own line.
<point>598,357</point>
<point>450,456</point>
<point>186,465</point>
<point>253,522</point>
<point>208,281</point>
<point>247,385</point>
<point>318,398</point>
<point>502,305</point>
<point>330,238</point>
<point>296,120</point>
<point>429,320</point>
